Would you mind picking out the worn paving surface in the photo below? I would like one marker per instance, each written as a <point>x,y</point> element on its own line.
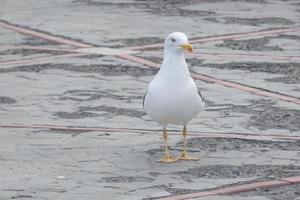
<point>104,91</point>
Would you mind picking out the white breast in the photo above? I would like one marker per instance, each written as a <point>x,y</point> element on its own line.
<point>172,99</point>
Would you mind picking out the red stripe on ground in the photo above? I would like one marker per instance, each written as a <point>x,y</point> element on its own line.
<point>139,60</point>
<point>246,55</point>
<point>190,196</point>
<point>45,36</point>
<point>257,91</point>
<point>236,189</point>
<point>250,186</point>
<point>235,55</point>
<point>223,37</point>
<point>37,48</point>
<point>198,76</point>
<point>77,129</point>
<point>132,58</point>
<point>292,180</point>
<point>200,134</point>
<point>147,47</point>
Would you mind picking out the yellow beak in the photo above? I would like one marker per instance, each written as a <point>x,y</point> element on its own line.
<point>187,47</point>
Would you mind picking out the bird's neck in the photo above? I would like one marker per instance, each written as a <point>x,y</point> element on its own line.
<point>174,61</point>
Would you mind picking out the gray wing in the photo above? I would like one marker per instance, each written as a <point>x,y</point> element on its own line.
<point>200,95</point>
<point>144,99</point>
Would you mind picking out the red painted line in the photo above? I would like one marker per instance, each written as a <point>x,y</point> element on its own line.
<point>287,137</point>
<point>201,134</point>
<point>45,36</point>
<point>139,60</point>
<point>223,37</point>
<point>132,58</point>
<point>203,77</point>
<point>39,59</point>
<point>79,129</point>
<point>192,133</point>
<point>38,48</point>
<point>147,47</point>
<point>246,88</point>
<point>190,196</point>
<point>237,55</point>
<point>239,136</point>
<point>246,55</point>
<point>250,186</point>
<point>237,189</point>
<point>292,180</point>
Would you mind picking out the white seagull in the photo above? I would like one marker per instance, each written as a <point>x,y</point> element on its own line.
<point>172,96</point>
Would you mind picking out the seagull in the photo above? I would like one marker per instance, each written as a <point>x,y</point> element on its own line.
<point>172,96</point>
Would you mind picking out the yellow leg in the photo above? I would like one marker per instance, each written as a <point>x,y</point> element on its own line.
<point>184,155</point>
<point>167,158</point>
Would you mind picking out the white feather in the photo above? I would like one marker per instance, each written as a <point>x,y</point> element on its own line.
<point>172,96</point>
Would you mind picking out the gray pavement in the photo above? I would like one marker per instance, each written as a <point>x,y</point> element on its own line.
<point>97,90</point>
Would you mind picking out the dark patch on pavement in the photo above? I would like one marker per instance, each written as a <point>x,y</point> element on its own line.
<point>166,9</point>
<point>289,37</point>
<point>252,21</point>
<point>116,4</point>
<point>176,191</point>
<point>105,111</point>
<point>297,89</point>
<point>7,100</point>
<point>90,95</point>
<point>152,152</point>
<point>22,196</point>
<point>291,70</point>
<point>263,115</point>
<point>92,56</point>
<point>276,118</point>
<point>260,44</point>
<point>106,70</point>
<point>113,70</point>
<point>170,189</point>
<point>114,111</point>
<point>159,7</point>
<point>27,68</point>
<point>155,174</point>
<point>29,52</point>
<point>33,41</point>
<point>75,115</point>
<point>66,131</point>
<point>257,44</point>
<point>243,171</point>
<point>285,79</point>
<point>126,179</point>
<point>229,144</point>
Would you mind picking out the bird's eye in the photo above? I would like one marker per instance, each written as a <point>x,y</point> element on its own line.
<point>173,40</point>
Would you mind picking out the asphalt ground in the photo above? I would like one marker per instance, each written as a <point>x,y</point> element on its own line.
<point>72,79</point>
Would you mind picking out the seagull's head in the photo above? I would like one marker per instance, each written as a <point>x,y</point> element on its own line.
<point>178,41</point>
